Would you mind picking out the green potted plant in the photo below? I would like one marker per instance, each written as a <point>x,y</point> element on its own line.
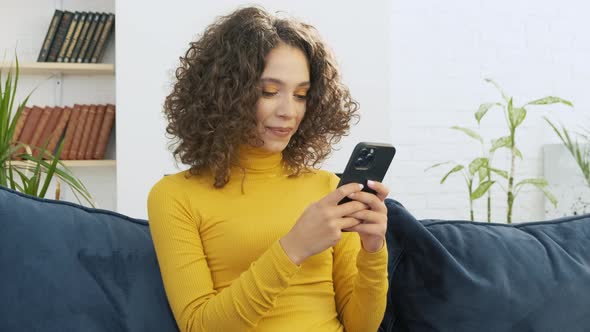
<point>482,165</point>
<point>35,174</point>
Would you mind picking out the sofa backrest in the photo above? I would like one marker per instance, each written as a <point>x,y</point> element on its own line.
<point>69,268</point>
<point>476,276</point>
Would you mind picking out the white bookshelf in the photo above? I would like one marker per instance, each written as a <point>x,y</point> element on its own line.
<point>49,68</point>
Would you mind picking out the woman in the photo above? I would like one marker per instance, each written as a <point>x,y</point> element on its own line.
<point>250,237</point>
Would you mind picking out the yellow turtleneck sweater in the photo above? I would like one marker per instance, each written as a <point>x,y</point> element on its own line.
<point>224,269</point>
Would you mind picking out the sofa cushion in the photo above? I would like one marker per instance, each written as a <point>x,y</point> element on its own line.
<point>473,276</point>
<point>65,267</point>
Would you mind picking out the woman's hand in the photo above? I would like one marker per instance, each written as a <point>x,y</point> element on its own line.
<point>373,223</point>
<point>320,226</point>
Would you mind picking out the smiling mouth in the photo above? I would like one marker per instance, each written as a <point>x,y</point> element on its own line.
<point>279,131</point>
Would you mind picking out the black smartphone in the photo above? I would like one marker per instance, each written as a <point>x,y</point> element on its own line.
<point>368,161</point>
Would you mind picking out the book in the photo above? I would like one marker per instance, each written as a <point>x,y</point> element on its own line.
<point>88,37</point>
<point>59,129</point>
<point>99,117</point>
<point>95,38</point>
<point>81,37</point>
<point>86,132</point>
<point>18,128</point>
<point>75,37</point>
<point>68,39</point>
<point>104,37</point>
<point>29,129</point>
<point>36,139</point>
<point>105,132</point>
<point>44,52</point>
<point>76,140</point>
<point>55,113</point>
<point>70,129</point>
<point>60,35</point>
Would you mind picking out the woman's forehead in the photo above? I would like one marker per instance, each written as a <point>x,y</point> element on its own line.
<point>287,65</point>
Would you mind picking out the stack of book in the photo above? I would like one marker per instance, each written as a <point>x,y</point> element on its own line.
<point>79,37</point>
<point>85,130</point>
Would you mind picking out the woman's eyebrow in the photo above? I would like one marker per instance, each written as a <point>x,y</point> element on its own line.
<point>277,81</point>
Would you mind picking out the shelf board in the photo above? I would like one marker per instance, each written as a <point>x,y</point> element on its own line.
<point>44,68</point>
<point>79,163</point>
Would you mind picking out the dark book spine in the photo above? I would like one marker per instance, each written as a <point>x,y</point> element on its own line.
<point>104,37</point>
<point>95,38</point>
<point>68,39</point>
<point>50,35</point>
<point>75,37</point>
<point>81,38</point>
<point>88,37</point>
<point>60,36</point>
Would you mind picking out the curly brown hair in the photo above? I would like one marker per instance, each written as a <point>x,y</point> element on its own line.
<point>211,110</point>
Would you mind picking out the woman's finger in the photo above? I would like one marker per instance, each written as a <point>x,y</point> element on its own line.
<point>368,229</point>
<point>371,200</point>
<point>380,188</point>
<point>369,217</point>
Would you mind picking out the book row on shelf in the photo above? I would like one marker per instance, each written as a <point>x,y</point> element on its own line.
<point>79,37</point>
<point>84,129</point>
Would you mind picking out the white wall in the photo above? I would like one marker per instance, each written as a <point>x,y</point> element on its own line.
<point>148,48</point>
<point>416,67</point>
<point>23,25</point>
<point>441,51</point>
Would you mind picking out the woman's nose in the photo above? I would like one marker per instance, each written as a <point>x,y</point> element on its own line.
<point>288,107</point>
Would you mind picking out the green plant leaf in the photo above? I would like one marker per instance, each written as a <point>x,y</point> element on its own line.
<point>483,173</point>
<point>550,100</point>
<point>483,109</point>
<point>455,169</point>
<point>504,96</point>
<point>437,165</point>
<point>518,153</point>
<point>476,164</point>
<point>538,182</point>
<point>518,115</point>
<point>510,109</point>
<point>581,154</point>
<point>502,142</point>
<point>469,132</point>
<point>500,172</point>
<point>481,190</point>
<point>51,169</point>
<point>549,196</point>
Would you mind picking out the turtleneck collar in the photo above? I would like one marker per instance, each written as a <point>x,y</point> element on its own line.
<point>258,162</point>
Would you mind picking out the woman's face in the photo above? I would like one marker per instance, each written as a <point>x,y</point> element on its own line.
<point>281,107</point>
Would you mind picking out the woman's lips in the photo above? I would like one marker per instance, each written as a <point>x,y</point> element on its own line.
<point>281,132</point>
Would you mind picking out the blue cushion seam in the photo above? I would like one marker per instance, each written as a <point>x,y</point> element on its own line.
<point>87,209</point>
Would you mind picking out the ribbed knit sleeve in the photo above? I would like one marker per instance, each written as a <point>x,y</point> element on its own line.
<point>196,305</point>
<point>361,288</point>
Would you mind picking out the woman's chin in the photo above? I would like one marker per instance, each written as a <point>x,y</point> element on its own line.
<point>275,146</point>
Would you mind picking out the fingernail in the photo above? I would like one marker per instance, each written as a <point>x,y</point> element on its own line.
<point>360,186</point>
<point>370,182</point>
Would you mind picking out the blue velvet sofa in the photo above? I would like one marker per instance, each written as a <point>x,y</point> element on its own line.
<point>69,268</point>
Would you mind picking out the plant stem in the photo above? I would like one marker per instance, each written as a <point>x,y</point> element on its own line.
<point>511,179</point>
<point>471,200</point>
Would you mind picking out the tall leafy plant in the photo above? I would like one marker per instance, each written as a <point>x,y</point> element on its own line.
<point>514,117</point>
<point>478,175</point>
<point>34,175</point>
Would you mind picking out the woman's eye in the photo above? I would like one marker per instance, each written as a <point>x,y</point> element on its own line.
<point>302,97</point>
<point>268,93</point>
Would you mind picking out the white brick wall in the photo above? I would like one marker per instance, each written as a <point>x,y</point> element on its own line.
<point>441,52</point>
